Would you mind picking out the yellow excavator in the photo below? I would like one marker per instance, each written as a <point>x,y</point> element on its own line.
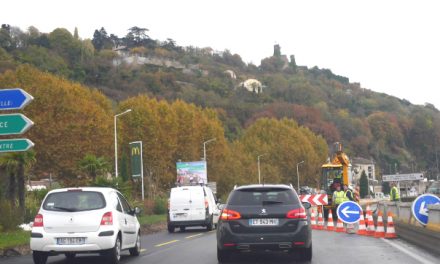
<point>335,171</point>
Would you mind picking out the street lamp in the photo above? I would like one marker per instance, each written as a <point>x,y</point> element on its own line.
<point>204,147</point>
<point>297,172</point>
<point>116,141</point>
<point>258,163</point>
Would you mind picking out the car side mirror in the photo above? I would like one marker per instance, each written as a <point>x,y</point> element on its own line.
<point>136,210</point>
<point>306,205</point>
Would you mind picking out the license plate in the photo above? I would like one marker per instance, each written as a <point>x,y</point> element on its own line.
<point>181,215</point>
<point>71,240</point>
<point>264,222</point>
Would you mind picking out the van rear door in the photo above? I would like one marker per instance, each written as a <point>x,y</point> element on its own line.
<point>198,197</point>
<point>180,204</point>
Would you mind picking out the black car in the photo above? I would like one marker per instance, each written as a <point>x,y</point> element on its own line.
<point>261,218</point>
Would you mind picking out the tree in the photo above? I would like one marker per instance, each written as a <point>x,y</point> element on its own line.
<point>101,40</point>
<point>75,34</point>
<point>363,185</point>
<point>94,166</point>
<point>17,164</point>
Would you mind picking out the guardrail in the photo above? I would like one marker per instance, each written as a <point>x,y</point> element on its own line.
<point>408,228</point>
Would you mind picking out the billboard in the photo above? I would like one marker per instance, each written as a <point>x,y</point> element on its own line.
<point>403,177</point>
<point>191,172</point>
<point>136,158</point>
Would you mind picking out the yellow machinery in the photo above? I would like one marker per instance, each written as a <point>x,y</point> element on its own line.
<point>335,171</point>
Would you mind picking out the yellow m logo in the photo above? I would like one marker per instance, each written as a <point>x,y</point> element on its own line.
<point>135,151</point>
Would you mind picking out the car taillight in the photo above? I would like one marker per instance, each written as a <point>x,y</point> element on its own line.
<point>206,203</point>
<point>107,219</point>
<point>230,215</point>
<point>299,213</point>
<point>38,221</point>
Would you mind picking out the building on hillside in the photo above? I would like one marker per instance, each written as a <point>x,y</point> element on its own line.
<point>252,85</point>
<point>362,164</point>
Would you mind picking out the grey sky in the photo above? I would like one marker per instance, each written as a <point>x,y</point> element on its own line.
<point>388,46</point>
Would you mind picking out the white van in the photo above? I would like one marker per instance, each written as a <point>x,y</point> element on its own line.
<point>192,206</point>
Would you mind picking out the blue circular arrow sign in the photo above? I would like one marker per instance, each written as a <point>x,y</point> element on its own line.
<point>349,212</point>
<point>419,207</point>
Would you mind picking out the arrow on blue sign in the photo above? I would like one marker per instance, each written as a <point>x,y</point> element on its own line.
<point>349,212</point>
<point>419,207</point>
<point>14,99</point>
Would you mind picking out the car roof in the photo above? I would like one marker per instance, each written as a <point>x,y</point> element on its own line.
<point>90,189</point>
<point>262,186</point>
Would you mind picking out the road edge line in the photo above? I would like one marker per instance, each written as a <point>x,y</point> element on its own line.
<point>407,252</point>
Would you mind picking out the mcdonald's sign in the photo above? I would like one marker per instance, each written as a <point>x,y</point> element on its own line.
<point>136,158</point>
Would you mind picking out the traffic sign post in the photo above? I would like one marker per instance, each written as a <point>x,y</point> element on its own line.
<point>12,145</point>
<point>349,212</point>
<point>14,124</point>
<point>14,99</point>
<point>419,207</point>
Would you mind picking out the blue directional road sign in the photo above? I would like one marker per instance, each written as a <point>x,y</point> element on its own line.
<point>419,207</point>
<point>15,98</point>
<point>349,212</point>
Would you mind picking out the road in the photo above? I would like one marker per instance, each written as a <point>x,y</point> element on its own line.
<point>199,246</point>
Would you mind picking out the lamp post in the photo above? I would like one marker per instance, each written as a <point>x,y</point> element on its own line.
<point>297,172</point>
<point>258,163</point>
<point>204,147</point>
<point>116,141</point>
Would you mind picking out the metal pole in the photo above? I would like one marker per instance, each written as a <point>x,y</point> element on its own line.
<point>204,147</point>
<point>116,141</point>
<point>116,150</point>
<point>142,173</point>
<point>259,174</point>
<point>297,173</point>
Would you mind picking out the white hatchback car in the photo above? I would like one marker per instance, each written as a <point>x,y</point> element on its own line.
<point>85,220</point>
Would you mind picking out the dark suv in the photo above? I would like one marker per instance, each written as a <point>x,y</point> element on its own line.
<point>264,218</point>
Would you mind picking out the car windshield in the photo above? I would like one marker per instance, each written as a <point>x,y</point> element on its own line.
<point>263,196</point>
<point>74,201</point>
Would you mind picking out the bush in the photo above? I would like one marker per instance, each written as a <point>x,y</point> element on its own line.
<point>10,217</point>
<point>33,203</point>
<point>160,205</point>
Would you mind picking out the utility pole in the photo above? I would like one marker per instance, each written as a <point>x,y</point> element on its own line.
<point>116,141</point>
<point>297,173</point>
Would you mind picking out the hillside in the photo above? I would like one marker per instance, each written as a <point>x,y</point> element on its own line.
<point>395,133</point>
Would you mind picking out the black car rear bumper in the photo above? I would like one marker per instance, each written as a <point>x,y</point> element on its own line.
<point>189,223</point>
<point>228,240</point>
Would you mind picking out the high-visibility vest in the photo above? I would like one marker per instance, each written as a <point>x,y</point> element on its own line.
<point>395,195</point>
<point>345,196</point>
<point>339,197</point>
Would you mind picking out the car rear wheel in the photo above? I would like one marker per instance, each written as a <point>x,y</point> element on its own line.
<point>305,254</point>
<point>70,256</point>
<point>170,229</point>
<point>136,250</point>
<point>222,256</point>
<point>114,255</point>
<point>39,257</point>
<point>210,225</point>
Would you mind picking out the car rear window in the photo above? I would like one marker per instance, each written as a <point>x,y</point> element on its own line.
<point>74,201</point>
<point>263,196</point>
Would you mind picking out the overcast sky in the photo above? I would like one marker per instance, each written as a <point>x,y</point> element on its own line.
<point>388,46</point>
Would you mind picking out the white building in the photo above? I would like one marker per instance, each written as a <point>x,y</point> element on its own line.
<point>361,164</point>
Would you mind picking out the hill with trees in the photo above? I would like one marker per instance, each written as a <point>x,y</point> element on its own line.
<point>178,83</point>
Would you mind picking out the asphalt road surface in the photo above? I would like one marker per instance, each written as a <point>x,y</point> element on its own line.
<point>199,246</point>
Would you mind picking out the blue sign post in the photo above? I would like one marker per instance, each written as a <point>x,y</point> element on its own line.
<point>419,207</point>
<point>14,99</point>
<point>349,212</point>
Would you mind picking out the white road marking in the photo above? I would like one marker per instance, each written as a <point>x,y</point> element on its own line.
<point>409,253</point>
<point>143,250</point>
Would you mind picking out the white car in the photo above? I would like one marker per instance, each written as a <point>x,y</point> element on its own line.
<point>192,206</point>
<point>85,220</point>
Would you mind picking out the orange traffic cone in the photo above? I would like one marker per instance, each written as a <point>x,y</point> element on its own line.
<point>313,220</point>
<point>380,229</point>
<point>320,221</point>
<point>340,226</point>
<point>391,232</point>
<point>362,228</point>
<point>330,223</point>
<point>370,223</point>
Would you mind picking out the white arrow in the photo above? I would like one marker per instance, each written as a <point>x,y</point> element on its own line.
<point>346,212</point>
<point>423,210</point>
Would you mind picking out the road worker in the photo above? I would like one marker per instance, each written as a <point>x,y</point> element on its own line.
<point>394,193</point>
